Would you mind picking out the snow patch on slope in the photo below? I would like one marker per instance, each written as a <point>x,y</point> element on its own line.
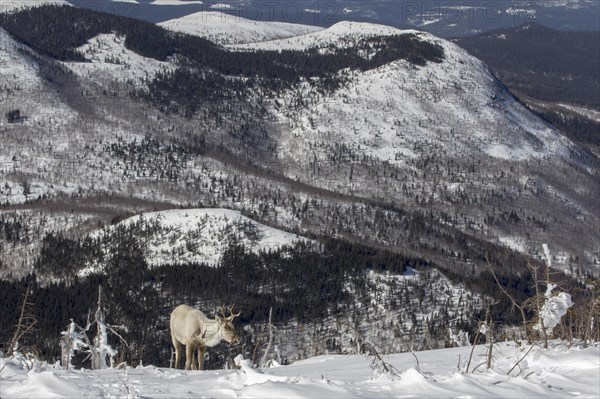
<point>514,243</point>
<point>224,29</point>
<point>108,57</point>
<point>16,5</point>
<point>340,35</point>
<point>589,113</point>
<point>198,235</point>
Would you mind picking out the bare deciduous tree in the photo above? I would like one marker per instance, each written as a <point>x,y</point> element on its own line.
<point>25,323</point>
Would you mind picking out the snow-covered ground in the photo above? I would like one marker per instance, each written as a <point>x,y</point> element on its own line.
<point>229,29</point>
<point>558,372</point>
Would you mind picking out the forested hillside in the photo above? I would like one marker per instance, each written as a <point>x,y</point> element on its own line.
<point>335,293</point>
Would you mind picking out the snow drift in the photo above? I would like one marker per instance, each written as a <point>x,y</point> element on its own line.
<point>555,373</point>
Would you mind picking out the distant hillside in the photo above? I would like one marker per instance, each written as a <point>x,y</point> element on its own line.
<point>442,18</point>
<point>197,235</point>
<point>225,29</point>
<point>547,69</point>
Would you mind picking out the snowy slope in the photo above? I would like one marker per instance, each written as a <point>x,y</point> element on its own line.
<point>22,84</point>
<point>398,111</point>
<point>340,34</point>
<point>13,5</point>
<point>555,373</point>
<point>22,87</point>
<point>419,123</point>
<point>198,235</point>
<point>229,29</point>
<point>108,58</point>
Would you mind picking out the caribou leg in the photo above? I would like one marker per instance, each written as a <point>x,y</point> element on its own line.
<point>177,346</point>
<point>201,349</point>
<point>189,357</point>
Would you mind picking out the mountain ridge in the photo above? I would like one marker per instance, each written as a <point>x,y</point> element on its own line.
<point>226,29</point>
<point>280,136</point>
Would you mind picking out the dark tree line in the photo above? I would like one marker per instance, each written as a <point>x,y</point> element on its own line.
<point>298,282</point>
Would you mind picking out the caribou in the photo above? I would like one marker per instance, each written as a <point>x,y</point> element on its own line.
<point>190,327</point>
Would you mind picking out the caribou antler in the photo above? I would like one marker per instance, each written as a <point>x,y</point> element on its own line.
<point>230,310</point>
<point>221,310</point>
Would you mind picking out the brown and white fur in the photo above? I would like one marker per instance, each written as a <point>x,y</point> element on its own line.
<point>190,327</point>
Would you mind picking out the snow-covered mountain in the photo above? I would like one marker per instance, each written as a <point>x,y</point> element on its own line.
<point>444,137</point>
<point>449,113</point>
<point>385,112</point>
<point>344,33</point>
<point>230,29</point>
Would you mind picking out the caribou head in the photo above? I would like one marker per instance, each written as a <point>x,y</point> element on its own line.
<point>226,324</point>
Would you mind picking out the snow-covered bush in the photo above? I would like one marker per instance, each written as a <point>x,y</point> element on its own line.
<point>76,338</point>
<point>461,338</point>
<point>72,340</point>
<point>553,309</point>
<point>554,306</point>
